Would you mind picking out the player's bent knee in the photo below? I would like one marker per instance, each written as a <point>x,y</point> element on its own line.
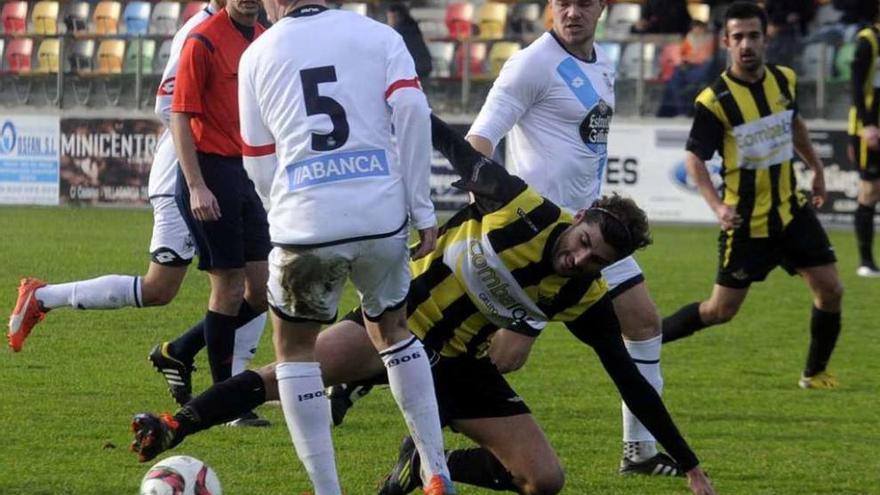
<point>549,481</point>
<point>158,296</point>
<point>721,313</point>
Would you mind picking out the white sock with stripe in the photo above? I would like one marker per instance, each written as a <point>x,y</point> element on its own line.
<point>639,444</point>
<point>247,338</point>
<point>107,292</point>
<point>411,382</point>
<point>307,413</point>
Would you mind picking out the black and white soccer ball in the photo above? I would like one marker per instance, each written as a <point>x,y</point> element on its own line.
<point>180,475</point>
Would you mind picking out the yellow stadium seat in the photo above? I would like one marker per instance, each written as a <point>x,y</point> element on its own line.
<point>699,12</point>
<point>106,17</point>
<point>48,56</point>
<point>499,53</point>
<point>110,56</point>
<point>492,17</point>
<point>45,18</point>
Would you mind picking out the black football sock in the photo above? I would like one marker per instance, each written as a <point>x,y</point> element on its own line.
<point>245,314</point>
<point>824,329</point>
<point>185,347</point>
<point>864,224</point>
<point>220,341</point>
<point>478,467</point>
<point>683,323</point>
<point>221,403</point>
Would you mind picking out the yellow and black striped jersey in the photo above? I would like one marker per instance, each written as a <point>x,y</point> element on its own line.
<point>865,109</point>
<point>750,125</point>
<point>492,266</point>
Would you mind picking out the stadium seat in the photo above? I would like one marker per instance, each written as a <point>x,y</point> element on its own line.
<point>621,18</point>
<point>18,54</point>
<point>48,56</point>
<point>525,20</point>
<point>612,50</point>
<point>148,52</point>
<point>359,7</point>
<point>634,54</point>
<point>492,18</point>
<point>76,16</point>
<point>432,21</point>
<point>442,53</point>
<point>191,9</point>
<point>110,53</point>
<point>161,58</point>
<point>812,65</point>
<point>499,53</point>
<point>82,56</point>
<point>477,57</point>
<point>459,20</point>
<point>137,18</point>
<point>699,12</point>
<point>826,14</point>
<point>44,18</point>
<point>14,16</point>
<point>164,18</point>
<point>106,17</point>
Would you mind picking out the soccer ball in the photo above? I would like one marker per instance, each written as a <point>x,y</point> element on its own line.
<point>180,475</point>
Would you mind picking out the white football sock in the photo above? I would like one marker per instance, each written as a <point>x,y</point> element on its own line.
<point>639,444</point>
<point>307,412</point>
<point>247,337</point>
<point>107,292</point>
<point>409,375</point>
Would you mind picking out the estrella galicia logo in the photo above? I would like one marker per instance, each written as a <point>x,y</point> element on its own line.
<point>680,176</point>
<point>7,138</point>
<point>594,128</point>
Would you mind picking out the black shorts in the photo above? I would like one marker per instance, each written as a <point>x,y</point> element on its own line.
<point>802,244</point>
<point>241,234</point>
<point>868,161</point>
<point>468,387</point>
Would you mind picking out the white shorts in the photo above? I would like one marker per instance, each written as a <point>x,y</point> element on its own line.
<point>171,244</point>
<point>622,275</point>
<point>305,284</point>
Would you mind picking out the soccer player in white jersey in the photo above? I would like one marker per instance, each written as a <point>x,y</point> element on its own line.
<point>554,100</point>
<point>171,252</point>
<point>317,130</point>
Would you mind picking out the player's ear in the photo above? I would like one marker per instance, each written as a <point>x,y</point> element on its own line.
<point>579,215</point>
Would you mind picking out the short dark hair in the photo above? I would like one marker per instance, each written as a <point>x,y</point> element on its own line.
<point>623,224</point>
<point>745,10</point>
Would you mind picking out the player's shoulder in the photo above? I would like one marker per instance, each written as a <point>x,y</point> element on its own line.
<point>868,33</point>
<point>787,72</point>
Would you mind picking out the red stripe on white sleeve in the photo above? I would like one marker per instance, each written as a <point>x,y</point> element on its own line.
<point>266,149</point>
<point>402,83</point>
<point>166,88</point>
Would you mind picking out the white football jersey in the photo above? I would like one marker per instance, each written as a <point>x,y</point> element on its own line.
<point>319,94</point>
<point>557,109</point>
<point>163,173</point>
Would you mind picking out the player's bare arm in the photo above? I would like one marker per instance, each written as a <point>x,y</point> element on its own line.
<point>804,148</point>
<point>509,350</point>
<point>696,168</point>
<point>481,144</point>
<point>204,204</point>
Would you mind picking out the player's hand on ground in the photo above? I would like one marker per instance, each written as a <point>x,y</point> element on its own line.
<point>699,483</point>
<point>427,242</point>
<point>871,135</point>
<point>203,204</point>
<point>728,217</point>
<point>819,191</point>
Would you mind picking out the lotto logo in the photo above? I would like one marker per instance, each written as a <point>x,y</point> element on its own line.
<point>310,396</point>
<point>403,359</point>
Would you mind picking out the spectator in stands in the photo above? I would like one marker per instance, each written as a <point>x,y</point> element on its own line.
<point>664,16</point>
<point>699,65</point>
<point>859,13</point>
<point>787,24</point>
<point>400,19</point>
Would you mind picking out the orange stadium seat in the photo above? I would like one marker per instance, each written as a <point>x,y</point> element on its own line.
<point>459,20</point>
<point>137,18</point>
<point>164,19</point>
<point>477,60</point>
<point>82,56</point>
<point>191,9</point>
<point>19,53</point>
<point>14,16</point>
<point>110,53</point>
<point>44,18</point>
<point>442,53</point>
<point>76,16</point>
<point>492,18</point>
<point>48,56</point>
<point>499,53</point>
<point>106,17</point>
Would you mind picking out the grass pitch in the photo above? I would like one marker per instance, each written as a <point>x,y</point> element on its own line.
<point>66,401</point>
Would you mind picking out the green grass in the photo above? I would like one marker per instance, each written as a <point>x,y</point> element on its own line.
<point>67,399</point>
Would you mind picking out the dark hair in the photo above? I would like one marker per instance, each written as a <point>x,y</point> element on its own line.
<point>623,224</point>
<point>746,10</point>
<point>402,11</point>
